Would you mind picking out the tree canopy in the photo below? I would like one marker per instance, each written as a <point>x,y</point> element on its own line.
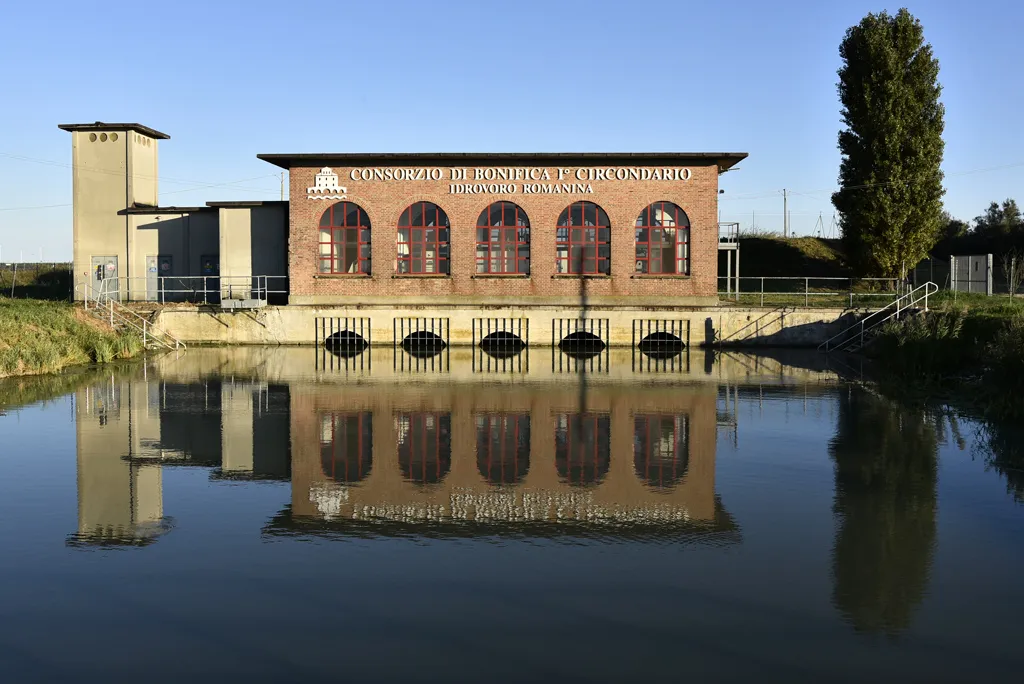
<point>890,179</point>
<point>999,219</point>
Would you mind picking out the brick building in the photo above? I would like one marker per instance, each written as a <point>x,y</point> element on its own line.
<point>381,238</point>
<point>503,228</point>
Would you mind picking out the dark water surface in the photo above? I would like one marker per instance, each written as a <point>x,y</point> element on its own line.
<point>280,515</point>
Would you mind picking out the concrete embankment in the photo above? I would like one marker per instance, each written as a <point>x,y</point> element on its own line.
<point>541,325</point>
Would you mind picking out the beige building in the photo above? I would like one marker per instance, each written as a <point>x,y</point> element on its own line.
<point>125,243</point>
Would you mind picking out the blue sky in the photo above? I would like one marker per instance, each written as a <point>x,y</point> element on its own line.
<point>230,80</point>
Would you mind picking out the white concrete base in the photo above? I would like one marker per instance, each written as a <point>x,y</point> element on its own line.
<point>615,325</point>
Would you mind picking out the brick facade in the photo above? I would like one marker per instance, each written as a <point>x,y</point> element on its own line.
<point>384,201</point>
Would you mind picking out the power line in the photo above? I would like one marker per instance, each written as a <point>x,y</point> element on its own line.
<point>173,192</point>
<point>863,186</point>
<point>121,172</point>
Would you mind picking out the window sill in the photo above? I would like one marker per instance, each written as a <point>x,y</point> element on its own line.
<point>582,276</point>
<point>676,276</point>
<point>421,275</point>
<point>500,275</point>
<point>331,276</point>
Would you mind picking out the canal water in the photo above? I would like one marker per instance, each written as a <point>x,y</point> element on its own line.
<point>292,515</point>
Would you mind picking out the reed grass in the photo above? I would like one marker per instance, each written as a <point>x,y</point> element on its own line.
<point>46,337</point>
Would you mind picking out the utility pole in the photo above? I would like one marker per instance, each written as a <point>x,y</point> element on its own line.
<point>785,214</point>
<point>282,186</point>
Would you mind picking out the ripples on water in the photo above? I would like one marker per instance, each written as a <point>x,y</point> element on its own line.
<point>274,513</point>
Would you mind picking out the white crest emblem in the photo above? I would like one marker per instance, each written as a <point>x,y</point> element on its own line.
<point>326,186</point>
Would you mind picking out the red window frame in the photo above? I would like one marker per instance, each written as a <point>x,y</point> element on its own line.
<point>423,227</point>
<point>583,229</point>
<point>648,225</point>
<point>657,466</point>
<point>501,227</point>
<point>425,448</point>
<point>342,427</point>
<point>503,446</point>
<point>346,228</point>
<point>582,447</point>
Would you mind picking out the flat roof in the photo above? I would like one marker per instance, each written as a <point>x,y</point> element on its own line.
<point>246,203</point>
<point>103,126</point>
<point>725,160</point>
<point>163,210</point>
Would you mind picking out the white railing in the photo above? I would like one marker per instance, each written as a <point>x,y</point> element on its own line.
<point>854,337</point>
<point>192,289</point>
<point>106,307</point>
<point>808,288</point>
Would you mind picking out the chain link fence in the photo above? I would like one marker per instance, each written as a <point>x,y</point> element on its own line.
<point>46,280</point>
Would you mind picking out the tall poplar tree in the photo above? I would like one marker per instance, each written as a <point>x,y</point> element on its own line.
<point>890,178</point>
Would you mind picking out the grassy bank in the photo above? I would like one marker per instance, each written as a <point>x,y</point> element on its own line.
<point>46,337</point>
<point>971,354</point>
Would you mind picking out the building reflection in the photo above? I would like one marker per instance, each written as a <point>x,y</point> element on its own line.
<point>129,430</point>
<point>513,458</point>
<point>369,456</point>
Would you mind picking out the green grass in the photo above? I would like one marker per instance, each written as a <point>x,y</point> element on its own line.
<point>977,304</point>
<point>772,256</point>
<point>46,337</point>
<point>976,356</point>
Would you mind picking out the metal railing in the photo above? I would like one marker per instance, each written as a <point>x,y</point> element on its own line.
<point>854,337</point>
<point>792,290</point>
<point>728,232</point>
<point>108,309</point>
<point>192,289</point>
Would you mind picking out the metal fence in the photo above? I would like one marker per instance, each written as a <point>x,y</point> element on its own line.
<point>808,291</point>
<point>937,270</point>
<point>189,289</point>
<point>36,280</point>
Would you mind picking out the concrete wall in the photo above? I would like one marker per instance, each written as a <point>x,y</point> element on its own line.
<point>269,237</point>
<point>184,237</point>
<point>296,324</point>
<point>236,251</point>
<point>143,187</point>
<point>112,170</point>
<point>99,175</point>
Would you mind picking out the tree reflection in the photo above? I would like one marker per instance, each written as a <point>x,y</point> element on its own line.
<point>1003,445</point>
<point>885,504</point>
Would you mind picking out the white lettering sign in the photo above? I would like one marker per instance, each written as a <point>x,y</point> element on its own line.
<point>495,180</point>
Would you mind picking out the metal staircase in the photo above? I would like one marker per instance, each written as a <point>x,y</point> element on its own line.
<point>856,336</point>
<point>103,305</point>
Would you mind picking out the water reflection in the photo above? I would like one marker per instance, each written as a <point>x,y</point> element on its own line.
<point>464,454</point>
<point>885,505</point>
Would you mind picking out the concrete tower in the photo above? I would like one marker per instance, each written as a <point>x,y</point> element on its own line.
<point>114,168</point>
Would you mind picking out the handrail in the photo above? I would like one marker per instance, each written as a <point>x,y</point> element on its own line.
<point>113,310</point>
<point>892,310</point>
<point>781,310</point>
<point>205,289</point>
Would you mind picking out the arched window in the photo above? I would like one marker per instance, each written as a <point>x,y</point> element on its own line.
<point>663,240</point>
<point>423,235</point>
<point>503,239</point>
<point>661,449</point>
<point>583,240</point>
<point>344,239</point>
<point>503,447</point>
<point>424,446</point>
<point>346,446</point>
<point>582,447</point>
